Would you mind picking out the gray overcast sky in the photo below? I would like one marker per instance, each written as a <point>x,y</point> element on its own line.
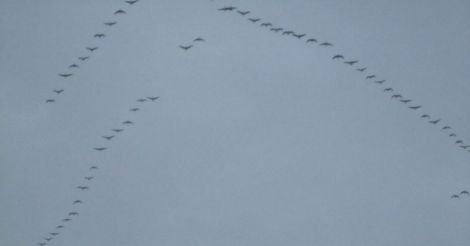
<point>258,138</point>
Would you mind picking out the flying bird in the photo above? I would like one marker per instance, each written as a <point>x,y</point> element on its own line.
<point>66,219</point>
<point>299,36</point>
<point>73,66</point>
<point>266,24</point>
<point>425,116</point>
<point>464,192</point>
<point>405,101</point>
<point>230,8</point>
<point>83,58</point>
<point>326,44</point>
<point>77,202</point>
<point>186,47</point>
<point>199,39</point>
<point>91,49</point>
<point>50,100</point>
<point>388,89</point>
<point>287,32</point>
<point>276,29</point>
<point>459,142</point>
<point>48,238</point>
<point>243,12</point>
<point>82,187</point>
<point>99,35</point>
<point>153,98</point>
<point>117,130</point>
<point>380,81</point>
<point>396,96</point>
<point>89,178</point>
<point>108,137</point>
<point>454,196</point>
<point>434,121</point>
<point>65,75</point>
<point>54,234</point>
<point>338,56</point>
<point>141,100</point>
<point>110,23</point>
<point>361,69</point>
<point>370,76</point>
<point>254,20</point>
<point>59,227</point>
<point>465,146</point>
<point>131,2</point>
<point>100,148</point>
<point>446,127</point>
<point>41,244</point>
<point>93,167</point>
<point>59,91</point>
<point>120,11</point>
<point>127,122</point>
<point>134,109</point>
<point>351,62</point>
<point>414,107</point>
<point>73,214</point>
<point>452,135</point>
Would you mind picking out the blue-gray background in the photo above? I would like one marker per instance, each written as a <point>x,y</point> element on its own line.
<point>258,139</point>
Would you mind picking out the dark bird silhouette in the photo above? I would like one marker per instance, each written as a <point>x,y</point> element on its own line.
<point>83,58</point>
<point>73,214</point>
<point>59,227</point>
<point>66,219</point>
<point>405,101</point>
<point>452,135</point>
<point>65,75</point>
<point>48,238</point>
<point>459,142</point>
<point>434,121</point>
<point>396,96</point>
<point>127,122</point>
<point>361,69</point>
<point>50,100</point>
<point>41,244</point>
<point>100,148</point>
<point>186,47</point>
<point>454,196</point>
<point>82,187</point>
<point>91,49</point>
<point>134,109</point>
<point>229,8</point>
<point>108,137</point>
<point>110,23</point>
<point>276,29</point>
<point>93,167</point>
<point>446,127</point>
<point>243,12</point>
<point>351,62</point>
<point>388,89</point>
<point>415,107</point>
<point>266,24</point>
<point>54,234</point>
<point>153,98</point>
<point>89,178</point>
<point>199,39</point>
<point>465,146</point>
<point>299,36</point>
<point>141,100</point>
<point>99,35</point>
<point>117,130</point>
<point>59,91</point>
<point>370,76</point>
<point>254,20</point>
<point>131,2</point>
<point>326,44</point>
<point>73,66</point>
<point>337,56</point>
<point>380,81</point>
<point>120,11</point>
<point>77,202</point>
<point>464,192</point>
<point>287,32</point>
<point>425,116</point>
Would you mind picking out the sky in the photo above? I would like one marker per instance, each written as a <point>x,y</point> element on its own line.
<point>257,138</point>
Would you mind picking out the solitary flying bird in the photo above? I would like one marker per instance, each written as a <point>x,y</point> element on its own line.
<point>326,44</point>
<point>59,227</point>
<point>127,122</point>
<point>337,56</point>
<point>120,11</point>
<point>134,109</point>
<point>110,23</point>
<point>452,135</point>
<point>73,214</point>
<point>276,29</point>
<point>370,76</point>
<point>91,49</point>
<point>89,178</point>
<point>186,47</point>
<point>108,137</point>
<point>243,12</point>
<point>66,219</point>
<point>454,196</point>
<point>117,130</point>
<point>77,202</point>
<point>351,62</point>
<point>425,116</point>
<point>465,146</point>
<point>396,96</point>
<point>99,35</point>
<point>50,100</point>
<point>54,234</point>
<point>73,66</point>
<point>93,167</point>
<point>446,127</point>
<point>100,148</point>
<point>230,8</point>
<point>434,121</point>
<point>153,98</point>
<point>287,32</point>
<point>141,100</point>
<point>83,58</point>
<point>299,36</point>
<point>380,81</point>
<point>266,24</point>
<point>65,75</point>
<point>414,107</point>
<point>405,100</point>
<point>464,192</point>
<point>131,2</point>
<point>82,187</point>
<point>48,238</point>
<point>361,69</point>
<point>459,142</point>
<point>59,91</point>
<point>198,39</point>
<point>388,89</point>
<point>254,19</point>
<point>41,244</point>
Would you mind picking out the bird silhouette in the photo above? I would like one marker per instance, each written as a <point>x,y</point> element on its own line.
<point>77,202</point>
<point>48,238</point>
<point>89,178</point>
<point>229,8</point>
<point>405,101</point>
<point>326,44</point>
<point>66,219</point>
<point>266,24</point>
<point>82,187</point>
<point>338,56</point>
<point>454,196</point>
<point>59,227</point>
<point>83,58</point>
<point>425,116</point>
<point>459,142</point>
<point>276,29</point>
<point>108,137</point>
<point>73,66</point>
<point>127,122</point>
<point>91,49</point>
<point>65,75</point>
<point>141,100</point>
<point>361,69</point>
<point>134,109</point>
<point>50,100</point>
<point>110,23</point>
<point>54,234</point>
<point>131,2</point>
<point>299,36</point>
<point>186,47</point>
<point>59,91</point>
<point>465,146</point>
<point>41,244</point>
<point>287,32</point>
<point>396,96</point>
<point>351,62</point>
<point>388,89</point>
<point>153,98</point>
<point>452,135</point>
<point>243,12</point>
<point>370,76</point>
<point>73,213</point>
<point>415,107</point>
<point>100,148</point>
<point>198,39</point>
<point>464,192</point>
<point>380,81</point>
<point>117,130</point>
<point>254,20</point>
<point>120,11</point>
<point>446,127</point>
<point>99,35</point>
<point>434,121</point>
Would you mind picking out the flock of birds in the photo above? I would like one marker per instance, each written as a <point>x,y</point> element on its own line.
<point>354,63</point>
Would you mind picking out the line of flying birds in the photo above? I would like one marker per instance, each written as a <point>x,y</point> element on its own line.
<point>361,69</point>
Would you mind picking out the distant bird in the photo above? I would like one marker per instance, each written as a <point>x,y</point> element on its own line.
<point>82,187</point>
<point>452,135</point>
<point>100,148</point>
<point>54,234</point>
<point>434,121</point>
<point>108,137</point>
<point>299,36</point>
<point>446,127</point>
<point>465,146</point>
<point>459,142</point>
<point>91,49</point>
<point>351,62</point>
<point>361,69</point>
<point>230,8</point>
<point>77,202</point>
<point>276,29</point>
<point>50,100</point>
<point>41,244</point>
<point>380,81</point>
<point>66,219</point>
<point>83,58</point>
<point>454,196</point>
<point>141,100</point>
<point>186,47</point>
<point>93,167</point>
<point>131,2</point>
<point>73,214</point>
<point>405,101</point>
<point>110,23</point>
<point>127,122</point>
<point>337,56</point>
<point>99,35</point>
<point>414,107</point>
<point>464,192</point>
<point>266,24</point>
<point>370,76</point>
<point>65,75</point>
<point>326,44</point>
<point>73,66</point>
<point>117,130</point>
<point>254,20</point>
<point>59,227</point>
<point>199,39</point>
<point>120,11</point>
<point>388,89</point>
<point>89,178</point>
<point>396,96</point>
<point>153,98</point>
<point>59,91</point>
<point>48,238</point>
<point>425,116</point>
<point>243,12</point>
<point>287,32</point>
<point>134,109</point>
